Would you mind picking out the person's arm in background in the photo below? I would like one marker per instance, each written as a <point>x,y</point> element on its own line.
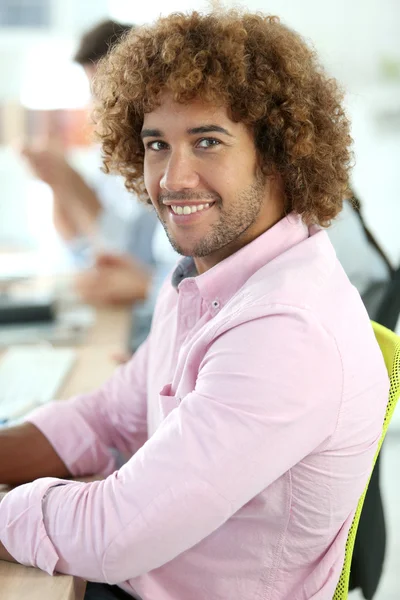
<point>62,222</point>
<point>76,205</point>
<point>123,276</point>
<point>114,279</point>
<point>98,219</point>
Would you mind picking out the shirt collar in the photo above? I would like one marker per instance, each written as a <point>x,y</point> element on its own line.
<point>221,282</point>
<point>185,268</point>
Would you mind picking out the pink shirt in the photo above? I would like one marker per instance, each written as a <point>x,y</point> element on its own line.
<point>251,416</point>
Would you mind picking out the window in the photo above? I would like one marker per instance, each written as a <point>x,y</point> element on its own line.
<point>25,13</point>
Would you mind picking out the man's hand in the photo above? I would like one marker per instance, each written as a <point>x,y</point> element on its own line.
<point>4,555</point>
<point>113,280</point>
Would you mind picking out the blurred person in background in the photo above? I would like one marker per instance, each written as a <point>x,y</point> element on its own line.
<point>105,229</point>
<point>101,215</point>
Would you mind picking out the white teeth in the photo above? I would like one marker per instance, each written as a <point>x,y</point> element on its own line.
<point>188,210</point>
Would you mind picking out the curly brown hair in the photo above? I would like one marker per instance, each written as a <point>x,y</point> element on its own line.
<point>261,70</point>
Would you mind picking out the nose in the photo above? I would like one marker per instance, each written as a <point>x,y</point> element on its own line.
<point>180,173</point>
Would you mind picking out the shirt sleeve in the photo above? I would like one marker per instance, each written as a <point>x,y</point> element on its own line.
<point>258,408</point>
<point>84,430</point>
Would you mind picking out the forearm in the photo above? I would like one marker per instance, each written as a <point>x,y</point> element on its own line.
<point>80,203</point>
<point>27,455</point>
<point>63,223</point>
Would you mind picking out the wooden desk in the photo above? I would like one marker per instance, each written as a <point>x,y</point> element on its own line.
<point>93,366</point>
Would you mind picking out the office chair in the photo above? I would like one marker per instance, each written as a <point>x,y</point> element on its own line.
<point>389,344</point>
<point>389,309</point>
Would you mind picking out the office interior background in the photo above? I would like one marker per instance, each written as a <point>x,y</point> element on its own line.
<point>42,91</point>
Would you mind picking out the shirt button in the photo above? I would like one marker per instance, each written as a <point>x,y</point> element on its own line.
<point>215,304</point>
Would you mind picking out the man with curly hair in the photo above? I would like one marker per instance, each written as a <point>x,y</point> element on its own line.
<point>251,414</point>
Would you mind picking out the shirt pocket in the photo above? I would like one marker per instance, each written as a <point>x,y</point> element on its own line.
<point>167,402</point>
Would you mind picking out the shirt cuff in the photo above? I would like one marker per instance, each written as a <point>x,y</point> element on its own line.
<point>22,529</point>
<point>80,251</point>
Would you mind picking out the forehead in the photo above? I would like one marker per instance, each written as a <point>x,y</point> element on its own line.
<point>171,113</point>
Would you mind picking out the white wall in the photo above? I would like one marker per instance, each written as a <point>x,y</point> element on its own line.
<point>131,12</point>
<point>350,36</point>
<point>377,153</point>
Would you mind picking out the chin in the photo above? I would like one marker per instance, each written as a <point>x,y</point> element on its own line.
<point>181,246</point>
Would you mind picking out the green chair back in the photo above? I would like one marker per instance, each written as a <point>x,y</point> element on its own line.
<point>389,344</point>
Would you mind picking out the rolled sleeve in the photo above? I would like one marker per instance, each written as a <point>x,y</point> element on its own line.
<point>22,529</point>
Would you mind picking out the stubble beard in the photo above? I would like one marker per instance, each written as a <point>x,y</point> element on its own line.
<point>231,224</point>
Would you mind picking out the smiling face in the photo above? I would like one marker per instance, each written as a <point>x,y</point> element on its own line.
<point>202,175</point>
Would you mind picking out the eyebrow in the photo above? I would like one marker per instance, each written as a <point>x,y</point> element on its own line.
<point>151,133</point>
<point>192,131</point>
<point>208,129</point>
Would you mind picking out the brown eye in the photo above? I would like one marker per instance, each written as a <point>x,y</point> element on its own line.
<point>208,143</point>
<point>157,145</point>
